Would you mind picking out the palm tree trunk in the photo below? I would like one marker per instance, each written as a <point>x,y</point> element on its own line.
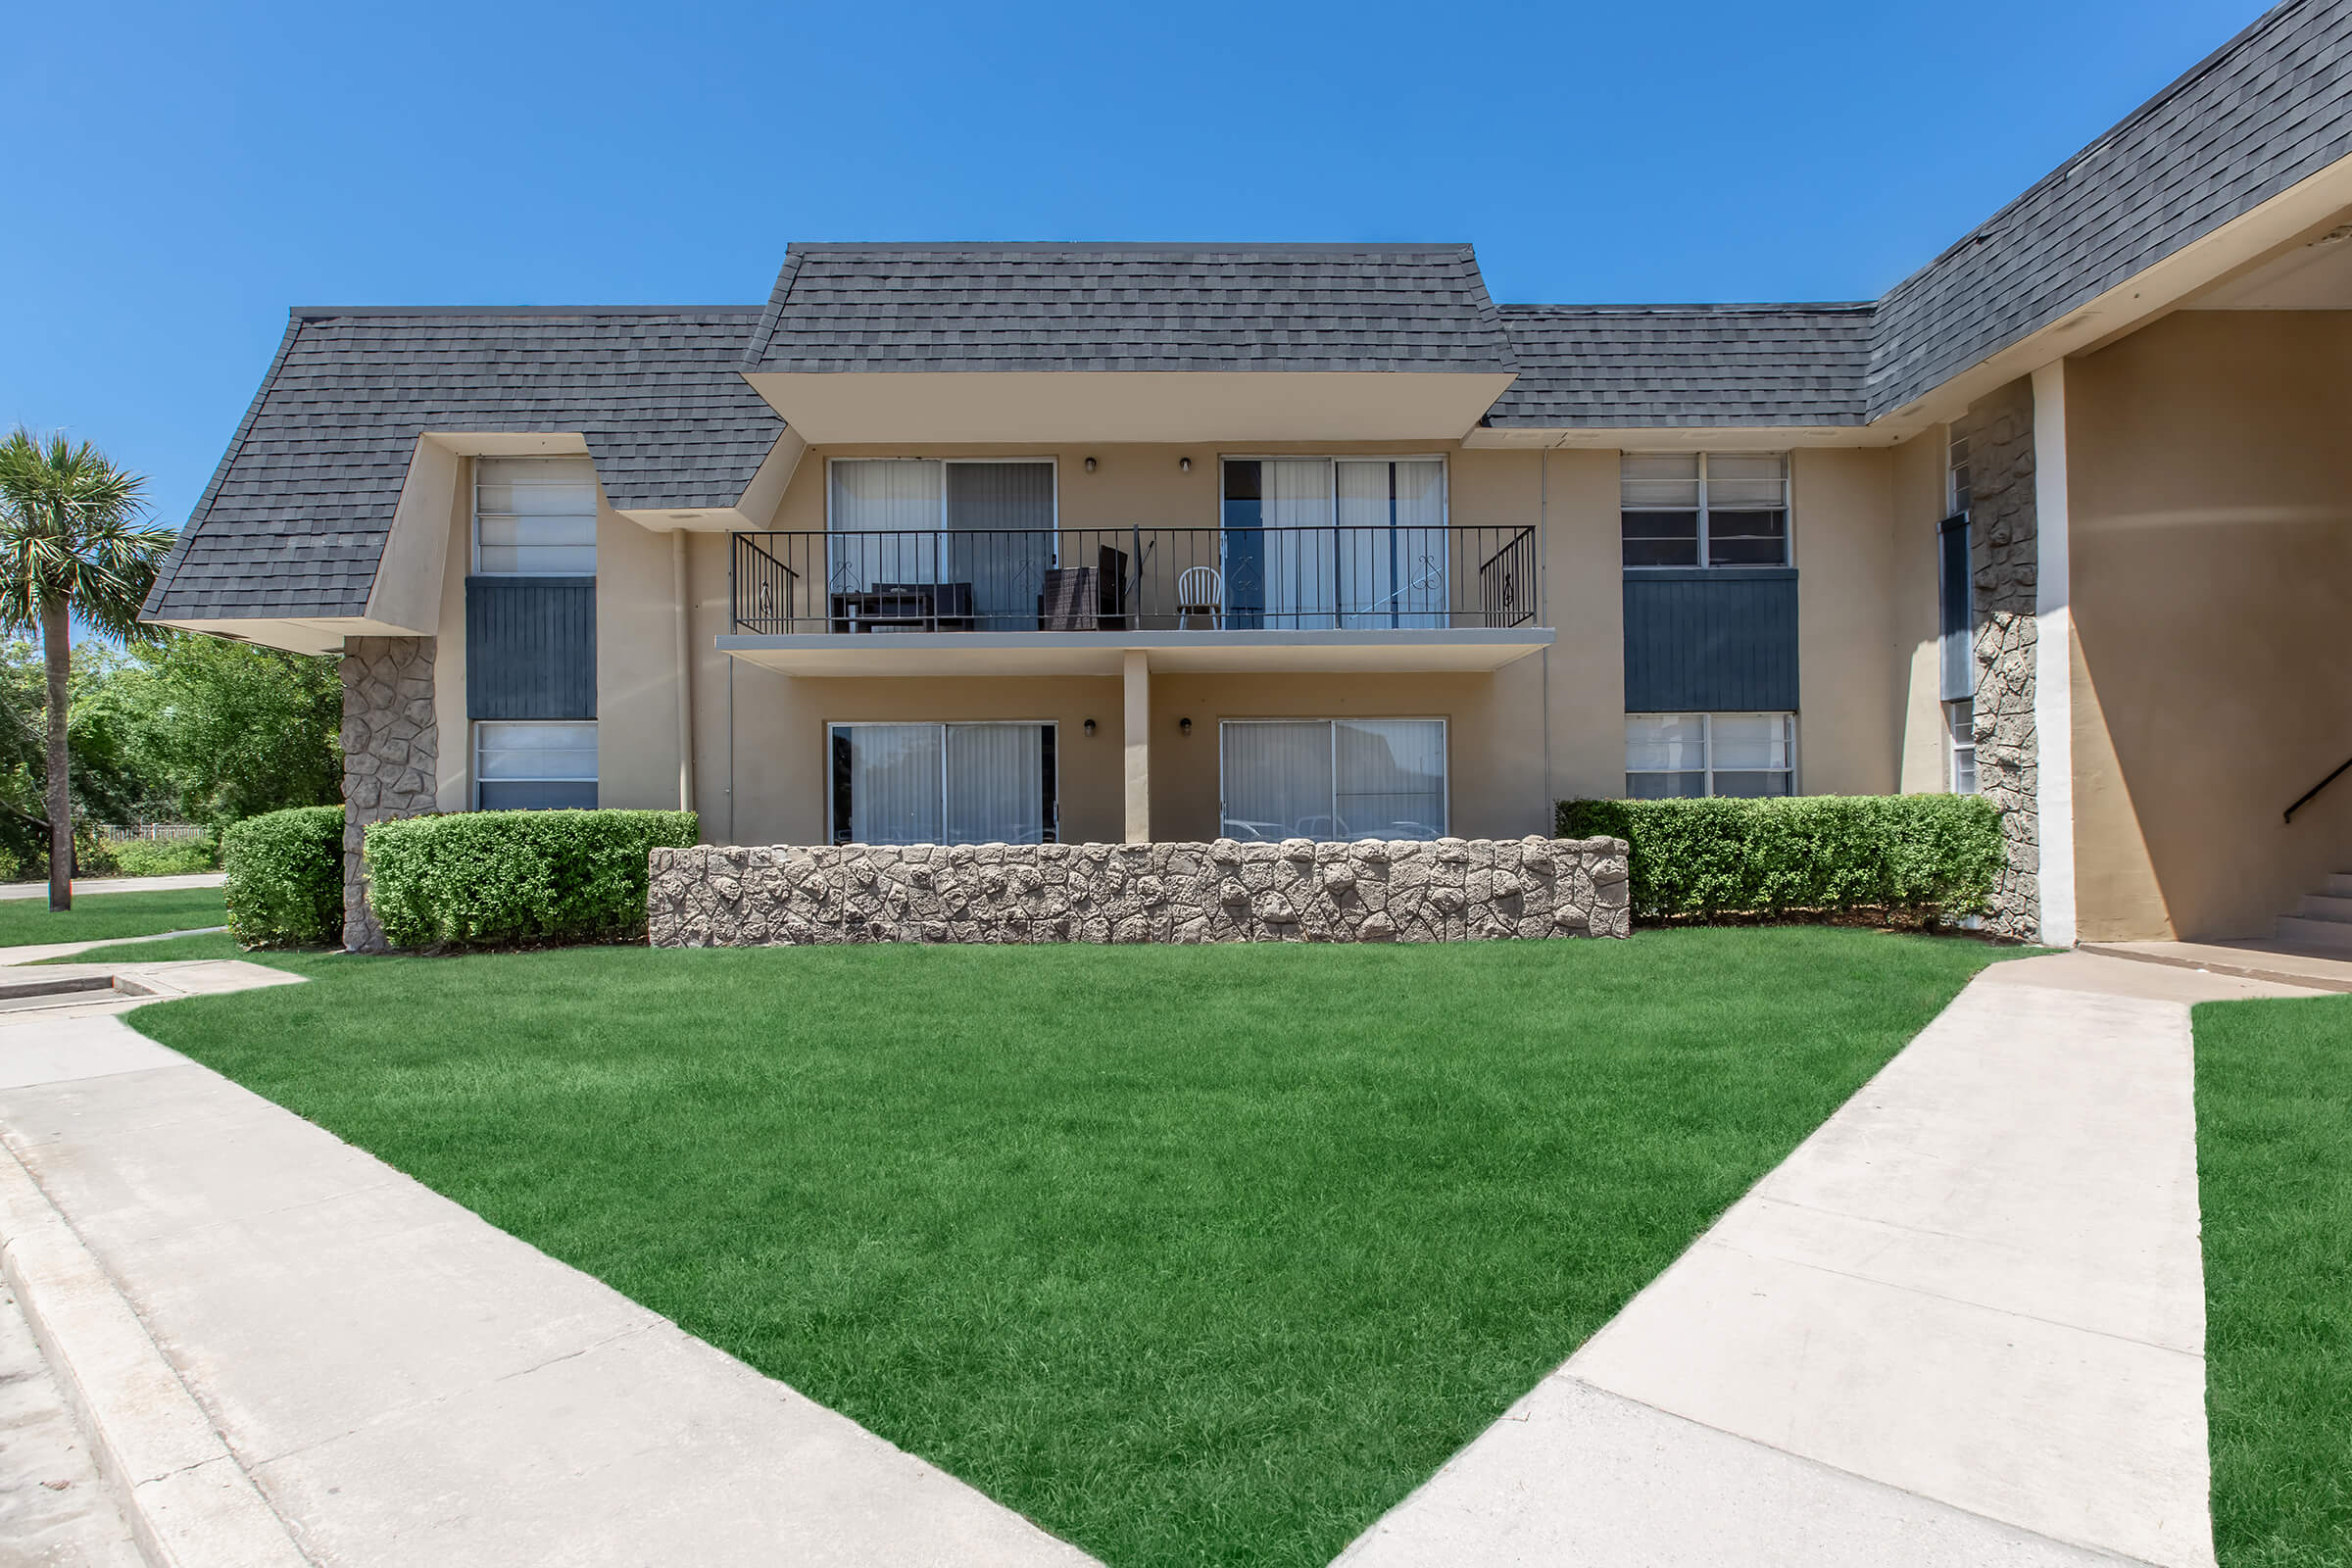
<point>57,633</point>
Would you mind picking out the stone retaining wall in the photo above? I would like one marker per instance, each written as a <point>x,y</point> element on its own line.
<point>1450,890</point>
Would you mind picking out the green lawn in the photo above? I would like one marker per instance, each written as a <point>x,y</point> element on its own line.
<point>98,915</point>
<point>1191,1254</point>
<point>2274,1180</point>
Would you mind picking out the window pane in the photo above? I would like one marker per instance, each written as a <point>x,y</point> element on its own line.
<point>1661,538</point>
<point>1749,740</point>
<point>1391,778</point>
<point>1748,538</point>
<point>894,783</point>
<point>1667,480</point>
<point>534,517</point>
<point>1665,786</point>
<point>995,784</point>
<point>1748,785</point>
<point>517,751</point>
<point>1664,742</point>
<point>1277,781</point>
<point>1301,557</point>
<point>1740,481</point>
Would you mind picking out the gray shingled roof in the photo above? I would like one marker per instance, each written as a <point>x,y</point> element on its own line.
<point>1071,307</point>
<point>295,519</point>
<point>2269,108</point>
<point>1686,364</point>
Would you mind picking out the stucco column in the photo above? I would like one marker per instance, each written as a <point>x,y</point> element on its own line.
<point>2053,661</point>
<point>391,744</point>
<point>1138,746</point>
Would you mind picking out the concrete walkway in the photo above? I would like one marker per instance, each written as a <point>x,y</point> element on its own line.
<point>398,1381</point>
<point>1963,1324</point>
<point>43,952</point>
<point>115,884</point>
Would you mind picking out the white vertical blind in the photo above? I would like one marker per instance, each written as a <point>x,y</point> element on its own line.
<point>1390,777</point>
<point>1277,780</point>
<point>1300,567</point>
<point>905,497</point>
<point>1419,593</point>
<point>894,781</point>
<point>534,517</point>
<point>995,784</point>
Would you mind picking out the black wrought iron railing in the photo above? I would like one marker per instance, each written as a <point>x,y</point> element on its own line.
<point>2312,793</point>
<point>1139,579</point>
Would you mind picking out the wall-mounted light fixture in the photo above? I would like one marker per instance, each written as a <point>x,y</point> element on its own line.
<point>1184,726</point>
<point>1089,465</point>
<point>1090,726</point>
<point>1184,464</point>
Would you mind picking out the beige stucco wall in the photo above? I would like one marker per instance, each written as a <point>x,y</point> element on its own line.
<point>2211,499</point>
<point>636,666</point>
<point>454,776</point>
<point>1839,501</point>
<point>1922,493</point>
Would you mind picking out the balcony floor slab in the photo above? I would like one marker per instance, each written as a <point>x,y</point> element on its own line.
<point>1466,651</point>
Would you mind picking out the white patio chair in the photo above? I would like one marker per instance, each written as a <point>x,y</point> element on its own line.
<point>1200,591</point>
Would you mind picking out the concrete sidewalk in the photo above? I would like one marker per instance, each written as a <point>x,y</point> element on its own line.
<point>404,1383</point>
<point>1964,1323</point>
<point>117,884</point>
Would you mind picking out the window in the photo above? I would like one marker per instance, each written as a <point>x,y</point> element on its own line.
<point>534,517</point>
<point>1956,615</point>
<point>1958,492</point>
<point>943,784</point>
<point>1713,509</point>
<point>530,765</point>
<point>1960,723</point>
<point>1322,778</point>
<point>1313,543</point>
<point>1675,755</point>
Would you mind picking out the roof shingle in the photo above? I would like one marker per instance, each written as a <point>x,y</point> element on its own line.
<point>1686,364</point>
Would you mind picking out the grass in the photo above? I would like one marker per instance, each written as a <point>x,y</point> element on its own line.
<point>1191,1254</point>
<point>99,916</point>
<point>2275,1179</point>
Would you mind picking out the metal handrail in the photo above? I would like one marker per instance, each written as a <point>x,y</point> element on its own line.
<point>1442,577</point>
<point>2305,798</point>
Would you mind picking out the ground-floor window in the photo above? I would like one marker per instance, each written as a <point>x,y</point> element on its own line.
<point>1333,778</point>
<point>1674,754</point>
<point>987,783</point>
<point>1960,722</point>
<point>534,764</point>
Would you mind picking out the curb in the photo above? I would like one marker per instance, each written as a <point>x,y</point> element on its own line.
<point>189,1504</point>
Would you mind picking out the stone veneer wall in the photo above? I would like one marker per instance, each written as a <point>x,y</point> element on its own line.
<point>1448,890</point>
<point>2004,555</point>
<point>391,747</point>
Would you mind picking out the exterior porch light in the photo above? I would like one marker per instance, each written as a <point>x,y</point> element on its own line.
<point>1184,464</point>
<point>1089,465</point>
<point>1090,726</point>
<point>1184,726</point>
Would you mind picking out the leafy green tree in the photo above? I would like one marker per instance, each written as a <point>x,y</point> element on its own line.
<point>111,777</point>
<point>74,544</point>
<point>217,731</point>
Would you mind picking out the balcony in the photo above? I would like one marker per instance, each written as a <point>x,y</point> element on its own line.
<point>1074,600</point>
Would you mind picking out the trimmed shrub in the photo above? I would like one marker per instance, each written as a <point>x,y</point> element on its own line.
<point>166,857</point>
<point>479,879</point>
<point>286,877</point>
<point>1923,857</point>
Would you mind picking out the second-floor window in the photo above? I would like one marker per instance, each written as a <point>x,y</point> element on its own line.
<point>1704,508</point>
<point>534,517</point>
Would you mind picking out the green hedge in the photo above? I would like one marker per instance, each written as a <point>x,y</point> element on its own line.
<point>1916,857</point>
<point>286,877</point>
<point>167,856</point>
<point>517,878</point>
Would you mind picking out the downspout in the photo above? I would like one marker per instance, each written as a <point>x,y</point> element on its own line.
<point>685,638</point>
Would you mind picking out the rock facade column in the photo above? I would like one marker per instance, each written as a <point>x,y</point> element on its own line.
<point>2004,553</point>
<point>391,749</point>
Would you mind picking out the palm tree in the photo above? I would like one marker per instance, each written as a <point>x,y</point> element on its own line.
<point>73,542</point>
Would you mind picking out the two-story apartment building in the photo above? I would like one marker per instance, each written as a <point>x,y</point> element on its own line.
<point>971,541</point>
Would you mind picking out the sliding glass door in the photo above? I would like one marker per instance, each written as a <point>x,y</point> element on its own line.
<point>1311,544</point>
<point>983,783</point>
<point>966,544</point>
<point>1331,779</point>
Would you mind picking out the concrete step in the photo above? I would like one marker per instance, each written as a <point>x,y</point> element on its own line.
<point>2339,886</point>
<point>2323,906</point>
<point>2332,936</point>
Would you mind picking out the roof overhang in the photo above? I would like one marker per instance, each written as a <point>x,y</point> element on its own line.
<point>313,635</point>
<point>832,408</point>
<point>1470,650</point>
<point>1680,437</point>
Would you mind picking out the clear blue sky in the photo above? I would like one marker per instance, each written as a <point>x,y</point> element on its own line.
<point>185,172</point>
